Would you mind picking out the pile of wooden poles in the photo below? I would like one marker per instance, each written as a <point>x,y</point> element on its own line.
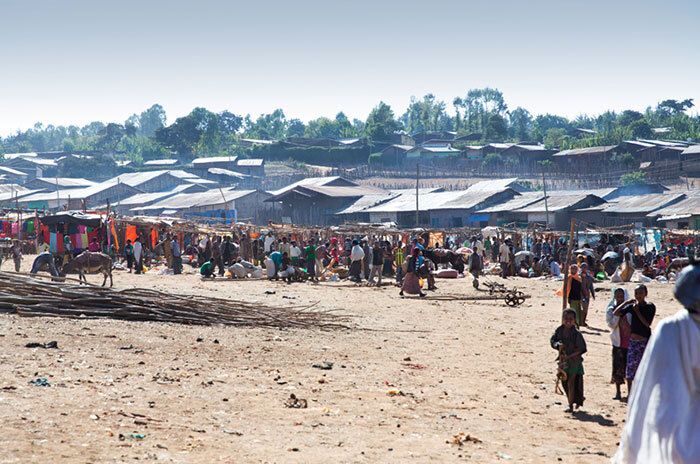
<point>28,296</point>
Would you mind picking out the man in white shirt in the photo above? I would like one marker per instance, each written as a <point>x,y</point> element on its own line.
<point>504,259</point>
<point>294,253</point>
<point>269,241</point>
<point>357,254</point>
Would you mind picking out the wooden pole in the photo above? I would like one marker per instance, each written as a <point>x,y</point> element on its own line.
<point>546,206</point>
<point>569,251</point>
<point>417,178</point>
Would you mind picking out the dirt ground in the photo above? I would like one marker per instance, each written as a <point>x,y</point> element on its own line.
<point>478,368</point>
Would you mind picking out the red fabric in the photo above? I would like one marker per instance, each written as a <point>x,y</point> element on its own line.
<point>154,238</point>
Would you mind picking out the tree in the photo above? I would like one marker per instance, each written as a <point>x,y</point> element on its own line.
<point>479,104</point>
<point>295,128</point>
<point>641,129</point>
<point>457,103</point>
<point>381,124</point>
<point>87,166</point>
<point>182,136</point>
<point>496,128</point>
<point>633,178</point>
<point>322,128</point>
<point>520,124</point>
<point>426,114</point>
<point>149,121</point>
<point>675,106</point>
<point>554,138</point>
<point>110,136</point>
<point>627,117</point>
<point>544,122</point>
<point>271,126</point>
<point>345,128</point>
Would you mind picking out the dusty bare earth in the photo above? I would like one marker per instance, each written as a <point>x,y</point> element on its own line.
<point>481,369</point>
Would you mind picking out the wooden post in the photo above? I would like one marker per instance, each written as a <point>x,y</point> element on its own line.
<point>569,251</point>
<point>417,178</point>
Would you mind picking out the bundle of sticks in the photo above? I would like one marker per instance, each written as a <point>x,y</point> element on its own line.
<point>28,296</point>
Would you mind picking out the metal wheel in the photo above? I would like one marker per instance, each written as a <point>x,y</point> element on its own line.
<point>515,298</point>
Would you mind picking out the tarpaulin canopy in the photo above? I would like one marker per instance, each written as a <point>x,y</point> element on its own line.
<point>73,217</point>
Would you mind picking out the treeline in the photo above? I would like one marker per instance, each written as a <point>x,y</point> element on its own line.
<point>482,113</point>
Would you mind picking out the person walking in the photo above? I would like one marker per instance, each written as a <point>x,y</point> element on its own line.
<point>504,259</point>
<point>176,255</point>
<point>16,252</point>
<point>129,255</point>
<point>138,255</point>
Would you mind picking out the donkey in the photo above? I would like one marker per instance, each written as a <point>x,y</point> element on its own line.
<point>456,260</point>
<point>90,263</point>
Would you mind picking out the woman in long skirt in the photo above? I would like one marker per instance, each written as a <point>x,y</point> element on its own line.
<point>411,282</point>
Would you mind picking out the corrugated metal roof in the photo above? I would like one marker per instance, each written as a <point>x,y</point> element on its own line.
<point>468,200</point>
<point>161,162</point>
<point>9,156</point>
<point>665,143</point>
<point>62,194</point>
<point>500,146</point>
<point>13,188</point>
<point>557,202</point>
<point>14,172</point>
<point>692,150</point>
<point>400,147</point>
<point>643,204</point>
<point>531,147</point>
<point>214,159</point>
<point>339,191</point>
<point>407,202</point>
<point>517,202</point>
<point>308,181</point>
<point>19,194</point>
<point>348,141</point>
<point>251,162</point>
<point>368,201</point>
<point>586,151</point>
<point>687,206</point>
<point>189,200</point>
<point>493,185</point>
<point>135,179</point>
<point>640,144</point>
<point>436,149</point>
<point>258,141</point>
<point>145,198</point>
<point>226,172</point>
<point>68,182</point>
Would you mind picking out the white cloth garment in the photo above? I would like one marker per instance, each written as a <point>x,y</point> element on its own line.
<point>614,321</point>
<point>269,240</point>
<point>357,253</point>
<point>663,421</point>
<point>138,250</point>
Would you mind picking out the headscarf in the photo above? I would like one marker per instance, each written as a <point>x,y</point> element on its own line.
<point>613,301</point>
<point>687,289</point>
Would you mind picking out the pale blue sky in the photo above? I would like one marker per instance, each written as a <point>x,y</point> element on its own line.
<point>77,61</point>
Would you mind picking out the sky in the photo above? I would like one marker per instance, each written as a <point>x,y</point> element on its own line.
<point>77,61</point>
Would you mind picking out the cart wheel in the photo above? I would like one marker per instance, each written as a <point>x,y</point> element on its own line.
<point>515,298</point>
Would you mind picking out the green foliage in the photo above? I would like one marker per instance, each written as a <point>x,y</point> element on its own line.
<point>520,127</point>
<point>496,128</point>
<point>555,138</point>
<point>492,160</point>
<point>375,159</point>
<point>381,123</point>
<point>633,178</point>
<point>335,156</point>
<point>426,114</point>
<point>73,166</point>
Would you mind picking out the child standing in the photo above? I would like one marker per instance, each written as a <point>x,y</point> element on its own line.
<point>620,331</point>
<point>643,314</point>
<point>568,336</point>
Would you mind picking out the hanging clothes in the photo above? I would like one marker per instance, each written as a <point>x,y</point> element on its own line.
<point>154,238</point>
<point>131,233</point>
<point>52,243</point>
<point>113,229</point>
